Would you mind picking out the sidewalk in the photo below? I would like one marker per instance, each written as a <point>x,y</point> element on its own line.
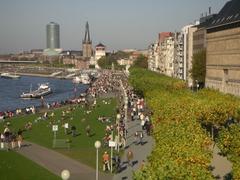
<point>220,164</point>
<point>56,162</point>
<point>140,152</point>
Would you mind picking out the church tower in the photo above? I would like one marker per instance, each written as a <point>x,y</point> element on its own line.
<point>87,43</point>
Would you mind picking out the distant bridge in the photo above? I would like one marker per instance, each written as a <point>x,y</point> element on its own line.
<point>14,62</point>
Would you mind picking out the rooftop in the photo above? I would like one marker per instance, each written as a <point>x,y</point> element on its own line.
<point>100,45</point>
<point>229,14</point>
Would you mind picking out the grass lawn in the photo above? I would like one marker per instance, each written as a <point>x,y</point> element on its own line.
<point>14,166</point>
<point>82,146</point>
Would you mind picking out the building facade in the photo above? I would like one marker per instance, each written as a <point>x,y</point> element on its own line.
<point>178,61</point>
<point>187,32</point>
<point>167,56</point>
<point>153,57</point>
<point>223,50</point>
<point>53,35</point>
<point>165,53</point>
<point>100,51</point>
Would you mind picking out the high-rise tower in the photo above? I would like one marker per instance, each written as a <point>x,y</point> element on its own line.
<point>53,33</point>
<point>87,43</point>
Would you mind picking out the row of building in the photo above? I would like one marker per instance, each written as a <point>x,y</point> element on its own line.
<point>53,52</point>
<point>53,43</point>
<point>81,59</point>
<point>218,35</point>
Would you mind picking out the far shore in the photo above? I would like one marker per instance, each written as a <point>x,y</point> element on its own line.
<point>37,75</point>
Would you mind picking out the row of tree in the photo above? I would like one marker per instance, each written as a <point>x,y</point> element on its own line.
<point>183,125</point>
<point>108,61</point>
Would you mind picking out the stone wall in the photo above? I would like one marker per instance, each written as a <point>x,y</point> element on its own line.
<point>223,61</point>
<point>199,40</point>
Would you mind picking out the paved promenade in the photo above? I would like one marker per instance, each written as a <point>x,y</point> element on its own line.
<point>220,164</point>
<point>140,152</point>
<point>56,162</point>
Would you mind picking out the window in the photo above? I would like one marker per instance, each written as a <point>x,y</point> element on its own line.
<point>225,75</point>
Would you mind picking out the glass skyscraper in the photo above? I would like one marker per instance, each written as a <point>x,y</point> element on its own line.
<point>53,35</point>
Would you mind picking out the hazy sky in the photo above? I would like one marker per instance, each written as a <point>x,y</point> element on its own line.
<point>118,24</point>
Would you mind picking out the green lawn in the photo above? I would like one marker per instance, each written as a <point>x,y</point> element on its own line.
<point>82,146</point>
<point>14,166</point>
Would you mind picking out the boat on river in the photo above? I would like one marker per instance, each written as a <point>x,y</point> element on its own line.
<point>9,76</point>
<point>43,90</point>
<point>83,78</point>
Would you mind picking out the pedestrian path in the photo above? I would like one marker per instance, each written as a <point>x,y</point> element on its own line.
<point>56,162</point>
<point>140,152</point>
<point>221,165</point>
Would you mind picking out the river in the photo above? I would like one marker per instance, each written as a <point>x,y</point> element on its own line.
<point>11,89</point>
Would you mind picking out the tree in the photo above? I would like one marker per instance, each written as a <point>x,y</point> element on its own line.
<point>141,62</point>
<point>104,62</point>
<point>107,61</point>
<point>198,71</point>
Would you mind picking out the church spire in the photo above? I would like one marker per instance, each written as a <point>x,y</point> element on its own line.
<point>87,43</point>
<point>87,34</point>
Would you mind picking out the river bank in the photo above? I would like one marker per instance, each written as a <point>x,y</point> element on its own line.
<point>11,90</point>
<point>38,71</point>
<point>28,74</point>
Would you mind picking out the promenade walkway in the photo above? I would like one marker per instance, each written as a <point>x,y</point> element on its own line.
<point>140,152</point>
<point>221,165</point>
<point>56,162</point>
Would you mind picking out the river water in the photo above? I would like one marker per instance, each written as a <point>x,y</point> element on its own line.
<point>11,89</point>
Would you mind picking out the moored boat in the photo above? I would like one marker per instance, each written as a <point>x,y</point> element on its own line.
<point>9,76</point>
<point>76,80</point>
<point>84,79</point>
<point>42,90</point>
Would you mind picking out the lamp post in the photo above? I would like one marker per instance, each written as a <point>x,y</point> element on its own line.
<point>111,150</point>
<point>97,146</point>
<point>126,113</point>
<point>118,129</point>
<point>65,174</point>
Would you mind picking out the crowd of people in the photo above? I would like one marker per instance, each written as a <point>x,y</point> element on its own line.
<point>136,111</point>
<point>108,82</point>
<point>9,139</point>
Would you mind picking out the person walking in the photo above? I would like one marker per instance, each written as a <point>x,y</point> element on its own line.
<point>136,138</point>
<point>117,163</point>
<point>130,157</point>
<point>141,137</point>
<point>142,120</point>
<point>106,161</point>
<point>142,165</point>
<point>19,140</point>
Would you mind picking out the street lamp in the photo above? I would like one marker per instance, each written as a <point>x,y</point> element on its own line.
<point>65,174</point>
<point>97,146</point>
<point>126,113</point>
<point>118,129</point>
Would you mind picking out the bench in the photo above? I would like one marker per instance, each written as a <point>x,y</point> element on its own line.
<point>61,143</point>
